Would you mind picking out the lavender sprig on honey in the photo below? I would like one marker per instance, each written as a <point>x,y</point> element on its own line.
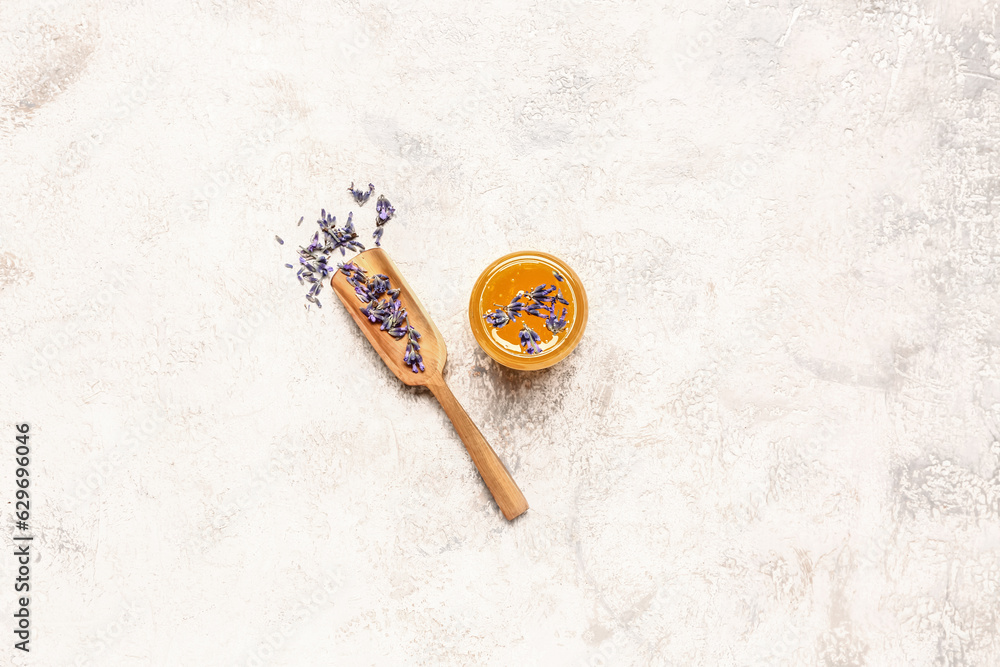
<point>529,339</point>
<point>497,318</point>
<point>539,302</point>
<point>556,324</point>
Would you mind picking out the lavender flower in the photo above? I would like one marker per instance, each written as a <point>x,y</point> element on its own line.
<point>497,318</point>
<point>561,299</point>
<point>376,310</point>
<point>536,309</point>
<point>363,293</point>
<point>529,339</point>
<point>383,211</point>
<point>378,284</point>
<point>360,196</point>
<point>280,240</point>
<point>541,294</point>
<point>558,277</point>
<point>412,356</point>
<point>377,235</point>
<point>516,308</point>
<point>355,274</point>
<point>556,324</point>
<point>314,265</point>
<point>394,318</point>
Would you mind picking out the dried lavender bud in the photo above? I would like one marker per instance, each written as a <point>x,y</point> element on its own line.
<point>556,324</point>
<point>315,263</point>
<point>395,317</point>
<point>377,235</point>
<point>541,294</point>
<point>349,268</point>
<point>360,196</point>
<point>397,332</point>
<point>537,309</point>
<point>529,339</point>
<point>497,318</point>
<point>376,310</point>
<point>558,277</point>
<point>560,299</point>
<point>378,284</point>
<point>412,356</point>
<point>362,292</point>
<point>516,308</point>
<point>383,211</point>
<point>279,239</point>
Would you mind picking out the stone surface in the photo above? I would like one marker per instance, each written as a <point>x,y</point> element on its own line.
<point>776,445</point>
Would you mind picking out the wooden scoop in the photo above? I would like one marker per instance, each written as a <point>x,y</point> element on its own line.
<point>505,492</point>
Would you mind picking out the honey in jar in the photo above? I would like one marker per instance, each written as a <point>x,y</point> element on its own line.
<point>511,279</point>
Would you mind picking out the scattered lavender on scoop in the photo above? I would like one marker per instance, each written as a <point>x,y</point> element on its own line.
<point>529,339</point>
<point>381,303</point>
<point>387,311</point>
<point>412,356</point>
<point>314,259</point>
<point>360,196</point>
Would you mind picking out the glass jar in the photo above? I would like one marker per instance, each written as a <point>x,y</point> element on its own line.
<point>522,272</point>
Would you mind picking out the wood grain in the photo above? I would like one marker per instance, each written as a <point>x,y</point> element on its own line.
<point>505,491</point>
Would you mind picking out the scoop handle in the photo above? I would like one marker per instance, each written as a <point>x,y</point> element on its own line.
<point>508,497</point>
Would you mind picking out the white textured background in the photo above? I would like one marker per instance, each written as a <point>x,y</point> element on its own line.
<point>776,445</point>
